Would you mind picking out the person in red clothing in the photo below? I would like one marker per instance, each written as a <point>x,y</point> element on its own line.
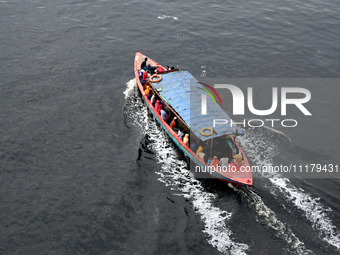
<point>159,109</point>
<point>214,162</point>
<point>157,105</point>
<point>173,124</point>
<point>146,75</point>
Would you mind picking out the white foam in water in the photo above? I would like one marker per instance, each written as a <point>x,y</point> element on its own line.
<point>130,88</point>
<point>311,208</point>
<point>267,216</point>
<point>167,17</point>
<point>174,173</point>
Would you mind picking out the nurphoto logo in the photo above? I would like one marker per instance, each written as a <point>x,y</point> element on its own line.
<point>239,102</point>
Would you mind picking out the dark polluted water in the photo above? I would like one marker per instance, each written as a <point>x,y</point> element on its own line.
<point>84,169</point>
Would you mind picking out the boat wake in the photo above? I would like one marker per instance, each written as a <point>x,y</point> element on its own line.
<point>312,209</point>
<point>175,173</point>
<point>269,218</point>
<point>260,147</point>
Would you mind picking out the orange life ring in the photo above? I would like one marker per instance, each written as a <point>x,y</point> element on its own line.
<point>156,80</point>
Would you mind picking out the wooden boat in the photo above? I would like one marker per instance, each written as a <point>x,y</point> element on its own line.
<point>179,90</point>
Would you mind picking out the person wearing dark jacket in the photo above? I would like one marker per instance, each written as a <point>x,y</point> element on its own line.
<point>144,63</point>
<point>168,119</point>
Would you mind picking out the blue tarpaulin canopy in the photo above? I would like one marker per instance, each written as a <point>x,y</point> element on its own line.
<point>183,93</point>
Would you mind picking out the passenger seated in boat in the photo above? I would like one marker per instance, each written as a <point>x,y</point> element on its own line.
<point>154,99</point>
<point>151,69</point>
<point>173,124</point>
<point>141,78</point>
<point>186,139</point>
<point>224,161</point>
<point>167,68</point>
<point>150,94</point>
<point>238,159</point>
<point>146,91</point>
<point>214,162</point>
<point>146,85</point>
<point>143,65</point>
<point>140,74</point>
<point>181,133</point>
<point>157,105</point>
<point>160,109</point>
<point>209,160</point>
<point>163,114</point>
<point>146,75</point>
<point>168,119</point>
